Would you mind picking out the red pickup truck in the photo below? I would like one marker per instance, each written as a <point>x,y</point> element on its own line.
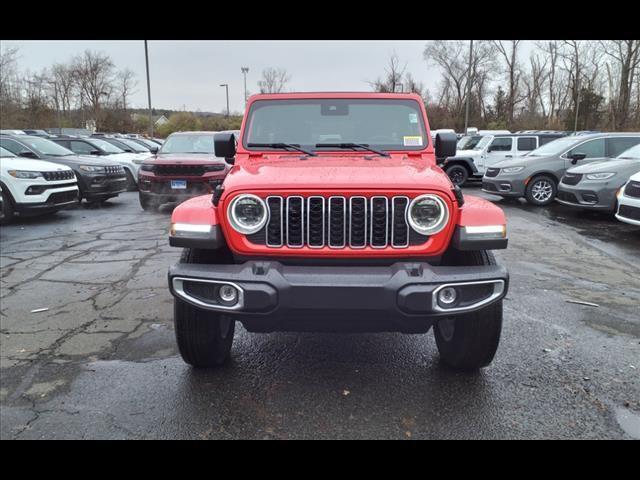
<point>336,218</point>
<point>184,167</point>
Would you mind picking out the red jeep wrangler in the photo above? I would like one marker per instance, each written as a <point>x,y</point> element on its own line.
<point>336,218</point>
<point>185,166</point>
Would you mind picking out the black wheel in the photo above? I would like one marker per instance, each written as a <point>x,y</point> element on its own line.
<point>147,203</point>
<point>458,174</point>
<point>132,186</point>
<point>204,337</point>
<point>541,190</point>
<point>470,341</point>
<point>7,210</point>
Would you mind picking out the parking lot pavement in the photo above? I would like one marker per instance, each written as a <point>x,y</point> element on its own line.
<point>101,361</point>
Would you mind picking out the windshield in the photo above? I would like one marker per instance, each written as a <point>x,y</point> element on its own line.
<point>386,124</point>
<point>480,143</point>
<point>136,147</point>
<point>555,147</point>
<point>106,146</point>
<point>46,147</point>
<point>188,144</point>
<point>5,153</point>
<point>470,142</point>
<point>632,153</point>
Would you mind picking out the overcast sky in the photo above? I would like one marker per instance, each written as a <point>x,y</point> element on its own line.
<point>187,74</point>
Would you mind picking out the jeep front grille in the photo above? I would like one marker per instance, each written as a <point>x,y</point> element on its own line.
<point>337,222</point>
<point>59,175</point>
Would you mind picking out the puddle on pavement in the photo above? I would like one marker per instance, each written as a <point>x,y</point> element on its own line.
<point>629,422</point>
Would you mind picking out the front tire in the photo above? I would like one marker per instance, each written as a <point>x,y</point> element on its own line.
<point>7,210</point>
<point>470,341</point>
<point>204,337</point>
<point>541,190</point>
<point>457,174</point>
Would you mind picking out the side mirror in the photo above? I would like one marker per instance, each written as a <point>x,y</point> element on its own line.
<point>224,145</point>
<point>95,152</point>
<point>489,149</point>
<point>577,156</point>
<point>446,145</point>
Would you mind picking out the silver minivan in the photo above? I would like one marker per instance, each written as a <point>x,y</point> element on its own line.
<point>536,175</point>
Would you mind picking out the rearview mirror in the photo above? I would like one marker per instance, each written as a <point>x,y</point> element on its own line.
<point>224,145</point>
<point>446,144</point>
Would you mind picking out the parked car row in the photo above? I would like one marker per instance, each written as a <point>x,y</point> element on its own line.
<point>590,171</point>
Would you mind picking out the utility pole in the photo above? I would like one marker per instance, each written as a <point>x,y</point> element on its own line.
<point>245,70</point>
<point>146,59</point>
<point>466,113</point>
<point>575,123</point>
<point>226,86</point>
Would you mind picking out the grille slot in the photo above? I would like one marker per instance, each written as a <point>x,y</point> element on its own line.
<point>295,217</point>
<point>181,170</point>
<point>337,222</point>
<point>59,175</point>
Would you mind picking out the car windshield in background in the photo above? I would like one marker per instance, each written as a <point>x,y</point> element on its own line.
<point>631,154</point>
<point>555,147</point>
<point>471,142</point>
<point>106,146</point>
<point>481,143</point>
<point>188,144</point>
<point>46,147</point>
<point>136,147</point>
<point>5,153</point>
<point>385,124</point>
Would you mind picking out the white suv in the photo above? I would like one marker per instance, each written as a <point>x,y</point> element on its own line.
<point>34,187</point>
<point>629,201</point>
<point>483,151</point>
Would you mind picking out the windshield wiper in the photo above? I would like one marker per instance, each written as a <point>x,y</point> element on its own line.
<point>353,146</point>
<point>293,146</point>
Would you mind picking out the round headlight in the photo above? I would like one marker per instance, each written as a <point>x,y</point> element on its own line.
<point>247,214</point>
<point>427,214</point>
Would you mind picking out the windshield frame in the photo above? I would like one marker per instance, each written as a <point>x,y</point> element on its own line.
<point>260,103</point>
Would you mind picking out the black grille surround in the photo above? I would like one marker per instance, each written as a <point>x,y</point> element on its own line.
<point>337,222</point>
<point>180,170</point>
<point>59,175</point>
<point>571,178</point>
<point>492,172</point>
<point>627,211</point>
<point>632,189</point>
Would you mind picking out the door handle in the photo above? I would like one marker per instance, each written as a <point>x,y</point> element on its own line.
<point>508,156</point>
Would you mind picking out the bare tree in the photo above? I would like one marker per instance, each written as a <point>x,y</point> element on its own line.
<point>392,80</point>
<point>509,52</point>
<point>94,72</point>
<point>126,85</point>
<point>627,55</point>
<point>273,80</point>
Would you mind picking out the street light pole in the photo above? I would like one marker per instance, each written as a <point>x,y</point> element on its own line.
<point>245,70</point>
<point>226,86</point>
<point>146,59</point>
<point>466,113</point>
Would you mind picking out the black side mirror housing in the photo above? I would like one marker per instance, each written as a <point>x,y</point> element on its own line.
<point>446,145</point>
<point>577,156</point>
<point>224,145</point>
<point>27,154</point>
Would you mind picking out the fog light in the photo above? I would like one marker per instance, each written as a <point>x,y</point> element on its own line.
<point>447,296</point>
<point>228,294</point>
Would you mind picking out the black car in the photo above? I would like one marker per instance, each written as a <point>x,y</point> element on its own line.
<point>36,133</point>
<point>147,143</point>
<point>98,179</point>
<point>126,144</point>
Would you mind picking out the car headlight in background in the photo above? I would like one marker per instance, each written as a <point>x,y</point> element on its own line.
<point>145,167</point>
<point>247,214</point>
<point>24,174</point>
<point>427,214</point>
<point>600,176</point>
<point>512,169</point>
<point>92,168</point>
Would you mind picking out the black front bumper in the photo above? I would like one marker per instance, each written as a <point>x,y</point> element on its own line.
<point>277,297</point>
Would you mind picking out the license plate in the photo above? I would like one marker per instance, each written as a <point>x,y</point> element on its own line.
<point>178,184</point>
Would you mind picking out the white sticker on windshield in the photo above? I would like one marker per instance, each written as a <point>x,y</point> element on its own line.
<point>412,141</point>
<point>413,118</point>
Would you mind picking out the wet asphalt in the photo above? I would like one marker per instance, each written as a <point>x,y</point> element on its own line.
<point>101,361</point>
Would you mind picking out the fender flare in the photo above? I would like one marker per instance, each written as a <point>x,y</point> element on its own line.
<point>478,212</point>
<point>468,162</point>
<point>198,211</point>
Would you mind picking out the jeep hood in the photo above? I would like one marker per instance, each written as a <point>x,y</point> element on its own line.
<point>185,158</point>
<point>606,166</point>
<point>336,172</point>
